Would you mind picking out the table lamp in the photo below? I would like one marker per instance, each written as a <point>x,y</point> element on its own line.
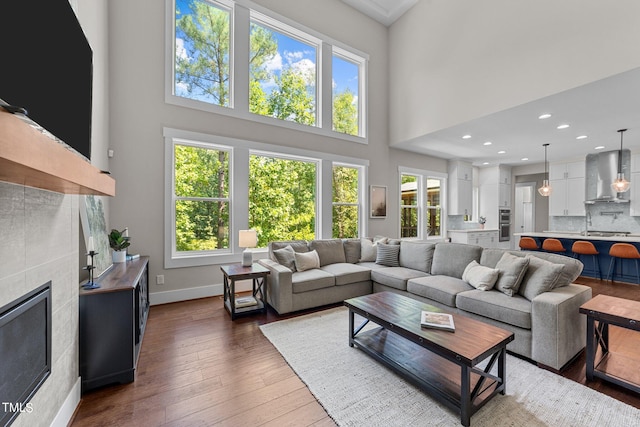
<point>247,239</point>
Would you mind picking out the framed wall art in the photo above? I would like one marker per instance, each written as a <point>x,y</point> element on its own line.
<point>378,200</point>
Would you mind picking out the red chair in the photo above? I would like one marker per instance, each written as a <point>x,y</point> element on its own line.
<point>582,247</point>
<point>553,245</point>
<point>623,251</point>
<point>528,244</point>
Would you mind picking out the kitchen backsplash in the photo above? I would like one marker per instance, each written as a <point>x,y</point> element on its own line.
<point>457,222</point>
<point>604,217</point>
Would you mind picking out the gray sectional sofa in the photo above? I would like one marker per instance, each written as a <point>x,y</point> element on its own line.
<point>531,294</point>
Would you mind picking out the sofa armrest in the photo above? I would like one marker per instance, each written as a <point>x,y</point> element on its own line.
<point>279,286</point>
<point>558,329</point>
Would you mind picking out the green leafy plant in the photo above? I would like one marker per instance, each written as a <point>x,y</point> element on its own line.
<point>117,241</point>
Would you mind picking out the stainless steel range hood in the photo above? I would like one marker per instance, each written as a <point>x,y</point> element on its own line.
<point>602,170</point>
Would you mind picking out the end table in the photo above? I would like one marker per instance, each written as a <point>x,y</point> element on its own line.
<point>258,275</point>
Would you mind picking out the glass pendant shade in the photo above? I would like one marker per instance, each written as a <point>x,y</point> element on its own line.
<point>546,189</point>
<point>620,185</point>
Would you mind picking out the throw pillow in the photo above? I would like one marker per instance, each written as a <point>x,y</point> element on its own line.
<point>512,270</point>
<point>286,257</point>
<point>541,276</point>
<point>479,276</point>
<point>352,250</point>
<point>368,250</point>
<point>388,255</point>
<point>307,260</point>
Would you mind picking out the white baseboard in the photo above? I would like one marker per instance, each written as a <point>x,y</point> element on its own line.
<point>166,297</point>
<point>69,406</point>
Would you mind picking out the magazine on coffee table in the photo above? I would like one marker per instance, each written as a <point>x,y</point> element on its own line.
<point>432,320</point>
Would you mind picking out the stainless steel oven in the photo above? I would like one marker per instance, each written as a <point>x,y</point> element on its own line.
<point>504,225</point>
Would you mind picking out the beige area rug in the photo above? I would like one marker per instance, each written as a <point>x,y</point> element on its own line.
<point>358,391</point>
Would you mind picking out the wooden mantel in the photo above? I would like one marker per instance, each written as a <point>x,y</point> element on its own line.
<point>29,157</point>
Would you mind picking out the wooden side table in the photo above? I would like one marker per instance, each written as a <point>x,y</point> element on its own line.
<point>620,369</point>
<point>258,275</point>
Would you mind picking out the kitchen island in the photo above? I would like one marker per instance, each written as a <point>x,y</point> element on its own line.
<point>625,268</point>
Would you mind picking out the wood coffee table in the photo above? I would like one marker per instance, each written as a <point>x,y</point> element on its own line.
<point>441,363</point>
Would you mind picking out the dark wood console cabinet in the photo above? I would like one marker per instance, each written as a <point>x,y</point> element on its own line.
<point>112,323</point>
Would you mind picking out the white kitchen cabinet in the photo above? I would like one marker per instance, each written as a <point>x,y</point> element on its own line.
<point>634,203</point>
<point>460,188</point>
<point>484,238</point>
<point>494,192</point>
<point>567,181</point>
<point>635,163</point>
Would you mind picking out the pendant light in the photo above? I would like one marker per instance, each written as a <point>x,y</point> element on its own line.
<point>546,189</point>
<point>620,185</point>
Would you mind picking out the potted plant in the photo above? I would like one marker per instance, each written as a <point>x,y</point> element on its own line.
<point>119,242</point>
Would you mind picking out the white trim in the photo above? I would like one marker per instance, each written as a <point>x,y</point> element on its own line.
<point>69,406</point>
<point>165,297</point>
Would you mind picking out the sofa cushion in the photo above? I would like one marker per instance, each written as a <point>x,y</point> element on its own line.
<point>570,272</point>
<point>450,259</point>
<point>352,250</point>
<point>286,257</point>
<point>571,267</point>
<point>310,280</point>
<point>512,269</point>
<point>368,250</point>
<point>515,310</point>
<point>330,251</point>
<point>297,245</point>
<point>307,260</point>
<point>479,276</point>
<point>388,255</point>
<point>395,277</point>
<point>442,289</point>
<point>346,273</point>
<point>540,277</point>
<point>416,255</point>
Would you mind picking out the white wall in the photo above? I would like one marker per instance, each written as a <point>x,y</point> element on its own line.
<point>138,114</point>
<point>452,61</point>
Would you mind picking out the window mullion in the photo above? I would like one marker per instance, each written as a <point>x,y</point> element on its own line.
<point>240,62</point>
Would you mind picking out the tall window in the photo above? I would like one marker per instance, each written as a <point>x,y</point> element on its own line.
<point>433,208</point>
<point>346,202</point>
<point>203,51</point>
<point>409,206</point>
<point>283,72</point>
<point>282,198</point>
<point>201,198</point>
<point>347,100</point>
<point>420,205</point>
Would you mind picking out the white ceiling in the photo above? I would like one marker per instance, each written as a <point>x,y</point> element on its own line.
<point>383,11</point>
<point>596,110</point>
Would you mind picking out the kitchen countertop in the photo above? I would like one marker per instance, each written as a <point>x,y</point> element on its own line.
<point>472,230</point>
<point>576,235</point>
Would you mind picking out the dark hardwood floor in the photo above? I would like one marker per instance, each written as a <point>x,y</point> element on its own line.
<point>197,367</point>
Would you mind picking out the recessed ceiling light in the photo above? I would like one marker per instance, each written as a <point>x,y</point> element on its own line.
<point>501,152</point>
<point>487,143</point>
<point>599,147</point>
<point>466,136</point>
<point>563,126</point>
<point>544,116</point>
<point>524,159</point>
<point>581,137</point>
<point>485,163</point>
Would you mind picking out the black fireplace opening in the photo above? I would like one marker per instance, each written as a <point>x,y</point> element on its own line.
<point>25,351</point>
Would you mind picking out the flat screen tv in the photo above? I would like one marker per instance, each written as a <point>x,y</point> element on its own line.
<point>47,68</point>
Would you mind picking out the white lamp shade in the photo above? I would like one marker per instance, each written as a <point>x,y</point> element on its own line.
<point>248,239</point>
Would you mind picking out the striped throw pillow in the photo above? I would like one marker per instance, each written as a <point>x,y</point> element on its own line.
<point>388,255</point>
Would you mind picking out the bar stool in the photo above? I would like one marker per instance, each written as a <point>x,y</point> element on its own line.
<point>623,251</point>
<point>582,247</point>
<point>528,244</point>
<point>553,245</point>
